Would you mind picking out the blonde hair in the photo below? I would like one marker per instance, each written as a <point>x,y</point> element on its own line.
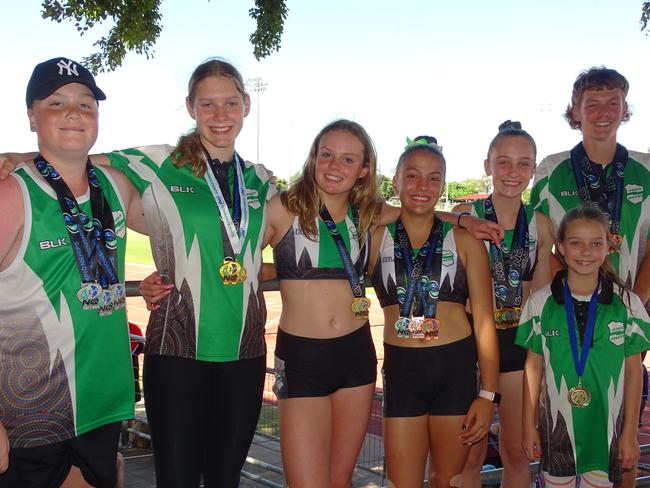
<point>303,198</point>
<point>189,150</point>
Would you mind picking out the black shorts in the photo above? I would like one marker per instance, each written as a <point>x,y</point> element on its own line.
<point>308,367</point>
<point>511,356</point>
<point>436,380</point>
<point>95,453</point>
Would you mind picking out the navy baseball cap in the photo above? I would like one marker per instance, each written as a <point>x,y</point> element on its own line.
<point>52,74</point>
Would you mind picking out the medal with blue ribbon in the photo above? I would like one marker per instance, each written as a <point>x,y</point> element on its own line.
<point>602,186</point>
<point>579,396</point>
<point>93,241</point>
<point>233,227</point>
<point>418,283</point>
<point>509,264</point>
<point>360,304</point>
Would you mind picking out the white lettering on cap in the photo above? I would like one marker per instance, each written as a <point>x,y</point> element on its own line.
<point>69,66</point>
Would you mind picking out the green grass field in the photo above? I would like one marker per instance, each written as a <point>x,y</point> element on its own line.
<point>139,252</point>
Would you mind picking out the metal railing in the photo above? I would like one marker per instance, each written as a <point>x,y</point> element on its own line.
<point>371,457</point>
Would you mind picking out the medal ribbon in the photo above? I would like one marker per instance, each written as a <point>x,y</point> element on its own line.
<point>93,241</point>
<point>508,267</point>
<point>355,276</point>
<point>580,360</point>
<point>235,226</point>
<point>608,197</point>
<point>411,271</point>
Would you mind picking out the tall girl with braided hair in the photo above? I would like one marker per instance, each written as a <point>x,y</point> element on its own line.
<point>519,264</point>
<point>423,272</point>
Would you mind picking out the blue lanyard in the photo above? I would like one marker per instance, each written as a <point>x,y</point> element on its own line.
<point>580,359</point>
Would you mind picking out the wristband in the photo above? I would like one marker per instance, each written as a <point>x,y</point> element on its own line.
<point>493,396</point>
<point>460,215</point>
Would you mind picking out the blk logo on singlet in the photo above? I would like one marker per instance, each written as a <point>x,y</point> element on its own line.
<point>569,193</point>
<point>53,244</point>
<point>181,189</point>
<point>69,67</point>
<point>552,333</point>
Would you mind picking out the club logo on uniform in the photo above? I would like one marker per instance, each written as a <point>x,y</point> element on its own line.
<point>68,66</point>
<point>634,193</point>
<point>448,258</point>
<point>616,333</point>
<point>120,227</point>
<point>253,198</point>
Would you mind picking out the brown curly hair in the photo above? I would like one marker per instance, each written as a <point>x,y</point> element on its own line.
<point>304,200</point>
<point>596,78</point>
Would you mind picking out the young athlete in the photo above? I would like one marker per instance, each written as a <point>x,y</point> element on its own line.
<point>519,265</point>
<point>325,360</point>
<point>62,244</point>
<point>602,171</point>
<point>424,272</point>
<point>584,333</point>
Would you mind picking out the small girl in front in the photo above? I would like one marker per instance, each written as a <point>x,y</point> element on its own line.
<point>584,333</point>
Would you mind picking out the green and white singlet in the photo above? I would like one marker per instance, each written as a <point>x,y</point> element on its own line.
<point>63,370</point>
<point>478,210</point>
<point>555,192</point>
<point>577,440</point>
<point>202,318</point>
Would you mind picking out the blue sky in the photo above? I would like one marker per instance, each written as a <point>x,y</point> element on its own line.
<point>454,70</point>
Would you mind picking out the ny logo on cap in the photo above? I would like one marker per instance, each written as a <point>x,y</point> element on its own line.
<point>69,66</point>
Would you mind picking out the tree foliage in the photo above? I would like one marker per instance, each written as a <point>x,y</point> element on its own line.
<point>137,26</point>
<point>645,16</point>
<point>385,187</point>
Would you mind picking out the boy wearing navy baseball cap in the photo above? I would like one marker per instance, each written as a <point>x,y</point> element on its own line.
<point>66,382</point>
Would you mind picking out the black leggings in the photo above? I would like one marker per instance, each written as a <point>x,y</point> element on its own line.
<point>202,417</point>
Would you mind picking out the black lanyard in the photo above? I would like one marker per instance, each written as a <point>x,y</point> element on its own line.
<point>355,276</point>
<point>596,185</point>
<point>421,275</point>
<point>93,240</point>
<point>509,264</point>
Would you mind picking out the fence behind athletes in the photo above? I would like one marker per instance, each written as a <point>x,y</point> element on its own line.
<point>264,468</point>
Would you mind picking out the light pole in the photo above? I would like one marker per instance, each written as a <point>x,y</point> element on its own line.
<point>258,85</point>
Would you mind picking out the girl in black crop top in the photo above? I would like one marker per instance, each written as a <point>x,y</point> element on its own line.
<point>429,341</point>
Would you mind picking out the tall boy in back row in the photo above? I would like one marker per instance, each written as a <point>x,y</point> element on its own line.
<point>601,171</point>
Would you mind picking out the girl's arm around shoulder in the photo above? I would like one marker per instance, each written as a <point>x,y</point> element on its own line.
<point>388,214</point>
<point>9,161</point>
<point>547,264</point>
<point>481,229</point>
<point>134,212</point>
<point>12,219</point>
<point>278,221</point>
<point>375,248</point>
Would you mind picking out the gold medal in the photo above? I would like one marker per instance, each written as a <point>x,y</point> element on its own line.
<point>615,241</point>
<point>507,317</point>
<point>431,327</point>
<point>579,396</point>
<point>360,308</point>
<point>231,272</point>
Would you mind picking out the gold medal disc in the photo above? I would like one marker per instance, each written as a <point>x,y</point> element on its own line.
<point>579,396</point>
<point>360,307</point>
<point>231,272</point>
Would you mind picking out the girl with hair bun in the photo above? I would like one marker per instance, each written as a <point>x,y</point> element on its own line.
<point>424,270</point>
<point>519,264</point>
